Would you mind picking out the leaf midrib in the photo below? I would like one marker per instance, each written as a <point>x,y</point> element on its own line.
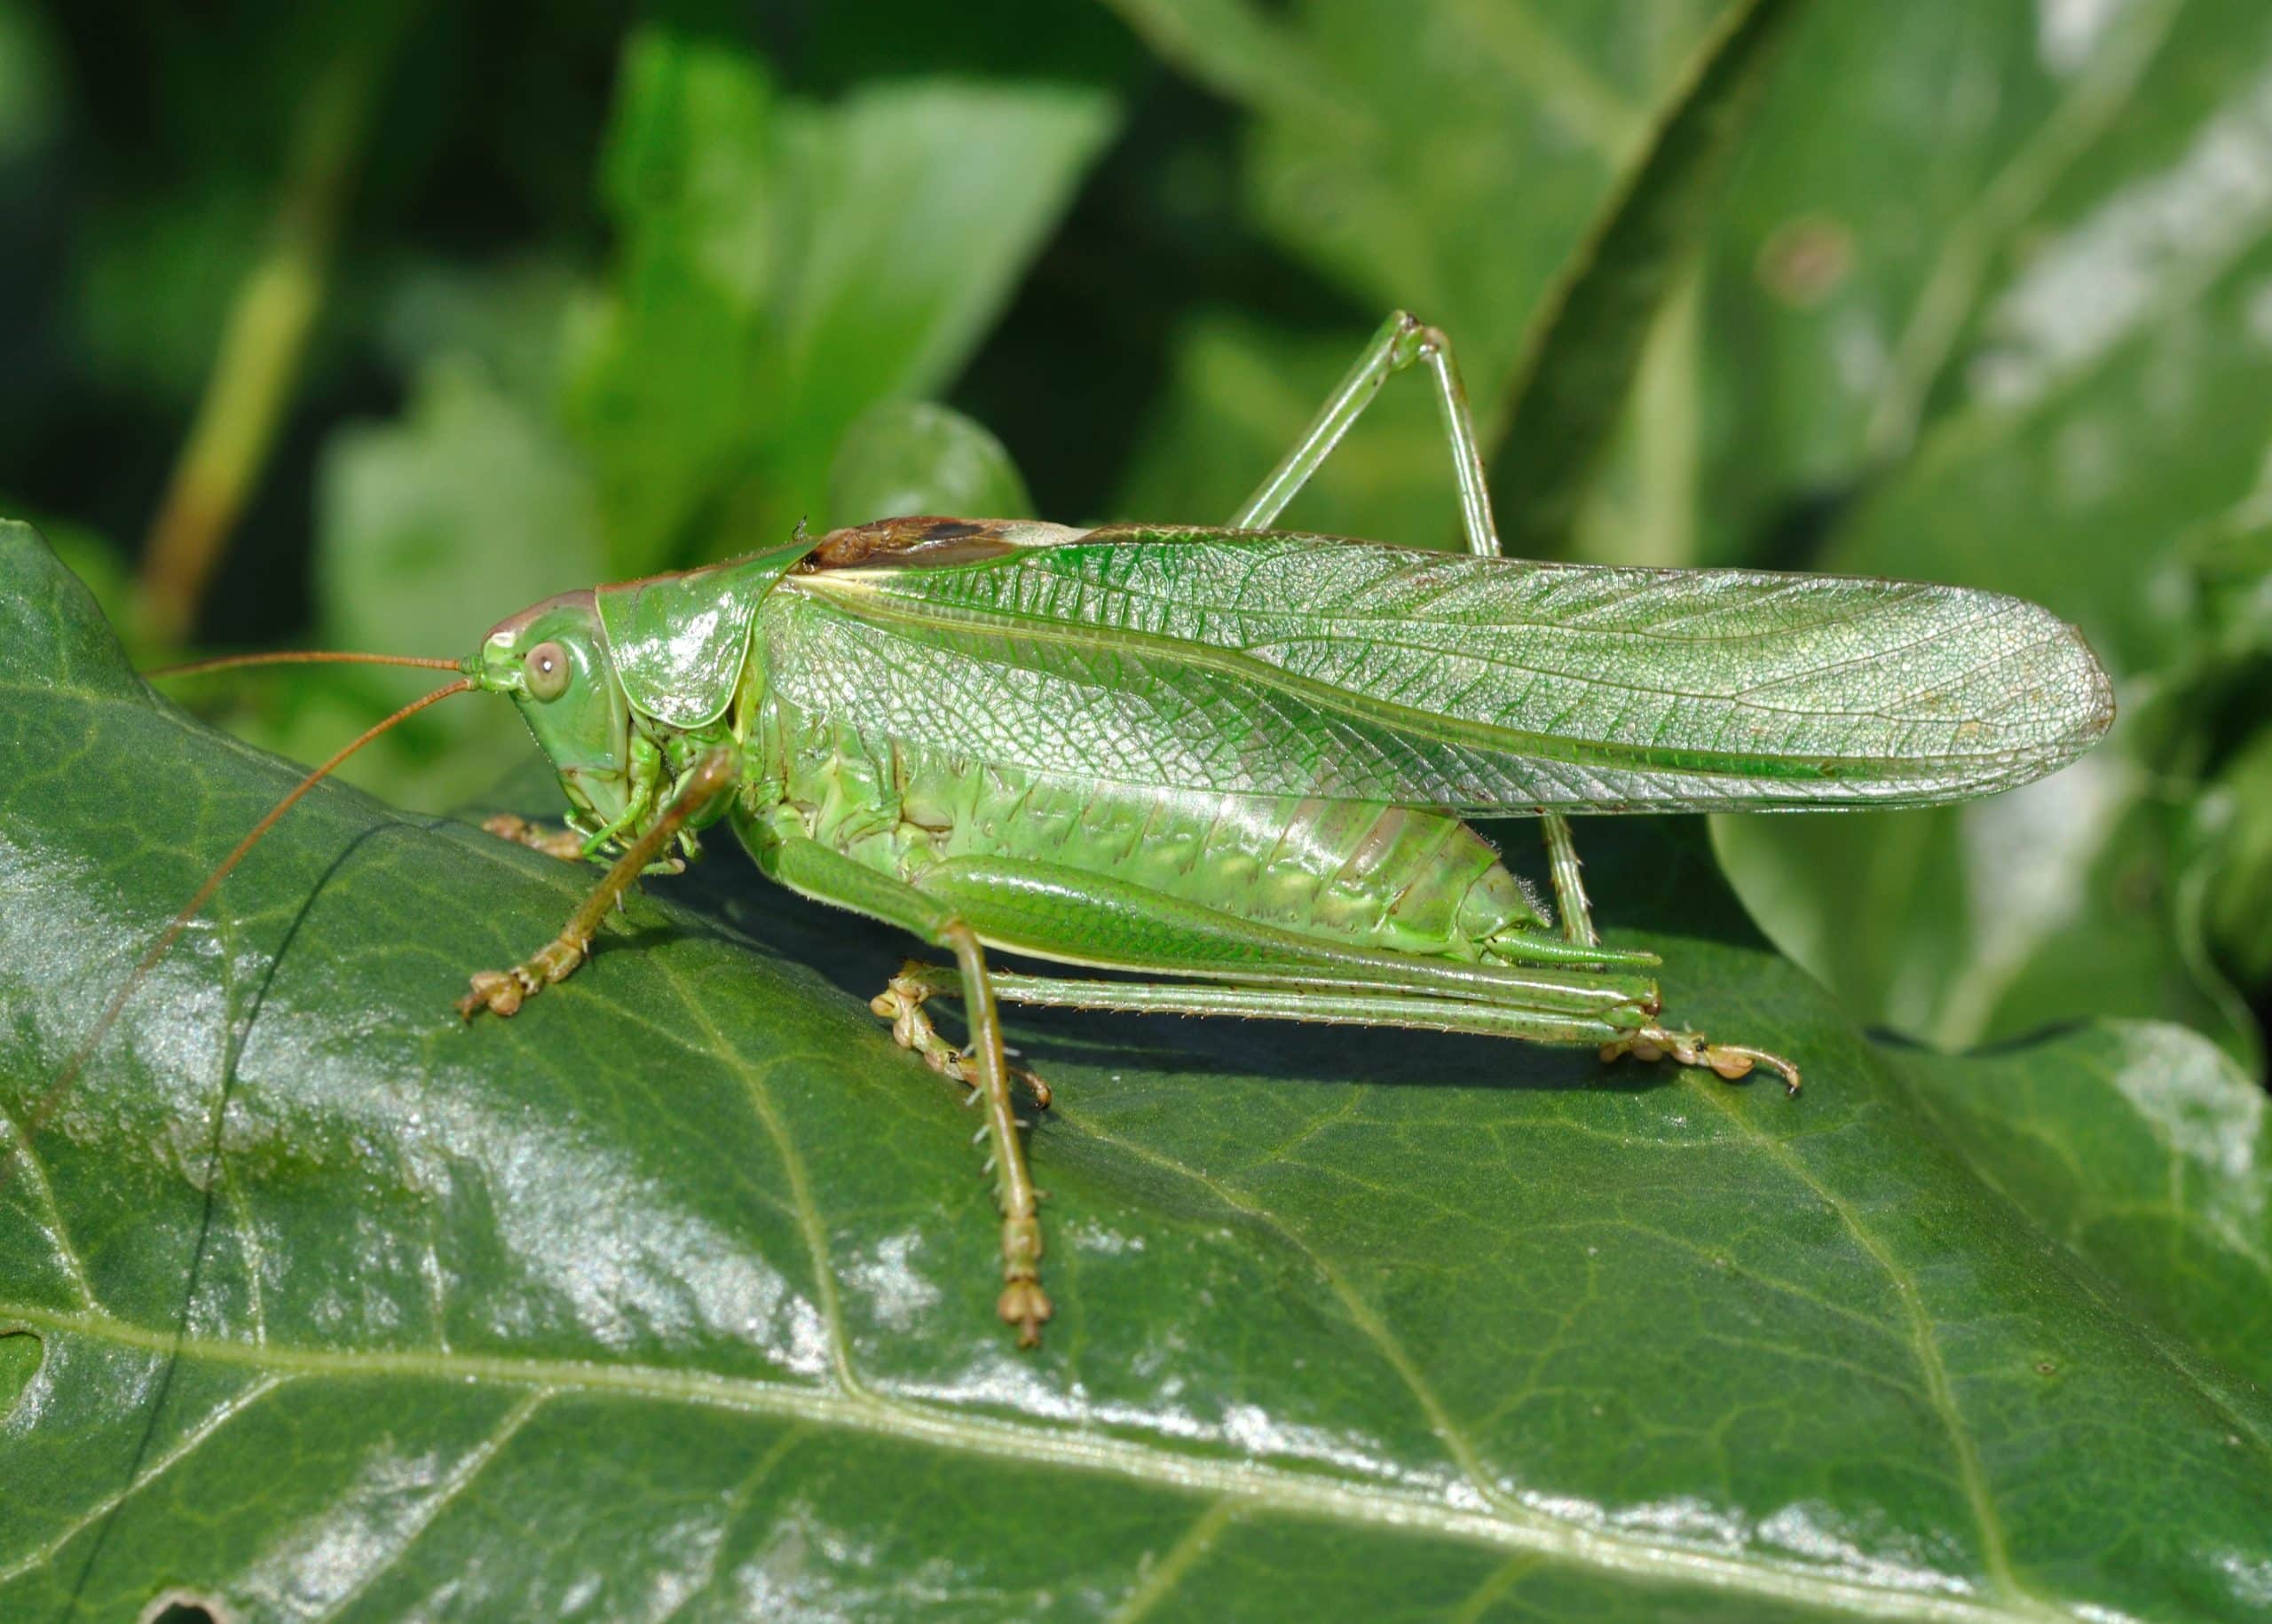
<point>2205,1377</point>
<point>1355,1505</point>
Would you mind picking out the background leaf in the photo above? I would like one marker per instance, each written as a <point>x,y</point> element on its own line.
<point>1592,331</point>
<point>784,267</point>
<point>916,456</point>
<point>1459,202</point>
<point>2054,406</point>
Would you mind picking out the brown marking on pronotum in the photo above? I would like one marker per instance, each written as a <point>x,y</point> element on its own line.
<point>925,537</point>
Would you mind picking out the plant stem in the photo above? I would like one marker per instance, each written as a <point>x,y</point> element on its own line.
<point>262,341</point>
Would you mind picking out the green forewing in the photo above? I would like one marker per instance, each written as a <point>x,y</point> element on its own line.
<point>679,640</point>
<point>1284,664</point>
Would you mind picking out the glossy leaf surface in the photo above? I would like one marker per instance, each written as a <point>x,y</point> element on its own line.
<point>2141,1146</point>
<point>674,1293</point>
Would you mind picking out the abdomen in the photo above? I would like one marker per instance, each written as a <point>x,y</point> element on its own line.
<point>1370,875</point>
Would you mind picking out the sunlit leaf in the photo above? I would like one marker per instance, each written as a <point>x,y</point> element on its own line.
<point>2140,1146</point>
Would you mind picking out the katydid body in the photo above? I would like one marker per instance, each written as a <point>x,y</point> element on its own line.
<point>1237,760</point>
<point>1231,766</point>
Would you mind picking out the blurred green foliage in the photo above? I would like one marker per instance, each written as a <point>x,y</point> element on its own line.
<point>1986,297</point>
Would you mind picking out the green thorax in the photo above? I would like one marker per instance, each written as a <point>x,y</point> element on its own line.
<point>680,641</point>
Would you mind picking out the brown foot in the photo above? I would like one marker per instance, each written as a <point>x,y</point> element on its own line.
<point>901,1003</point>
<point>1022,1303</point>
<point>1728,1061</point>
<point>562,843</point>
<point>502,992</point>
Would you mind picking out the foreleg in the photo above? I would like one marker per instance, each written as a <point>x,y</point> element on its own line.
<point>503,991</point>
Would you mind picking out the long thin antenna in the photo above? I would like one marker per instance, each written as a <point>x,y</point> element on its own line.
<point>303,657</point>
<point>37,1117</point>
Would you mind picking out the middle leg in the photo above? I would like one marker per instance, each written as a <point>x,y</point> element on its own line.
<point>810,869</point>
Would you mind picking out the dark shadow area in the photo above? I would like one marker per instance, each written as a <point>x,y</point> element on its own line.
<point>858,955</point>
<point>1793,538</point>
<point>1886,1037</point>
<point>180,1609</point>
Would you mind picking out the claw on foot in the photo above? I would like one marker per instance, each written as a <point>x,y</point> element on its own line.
<point>1730,1061</point>
<point>901,1003</point>
<point>502,992</point>
<point>495,991</point>
<point>1022,1303</point>
<point>1026,1305</point>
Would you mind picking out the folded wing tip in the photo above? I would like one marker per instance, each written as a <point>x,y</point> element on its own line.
<point>2072,705</point>
<point>2085,707</point>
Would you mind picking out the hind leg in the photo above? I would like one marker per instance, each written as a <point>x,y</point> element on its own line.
<point>1404,341</point>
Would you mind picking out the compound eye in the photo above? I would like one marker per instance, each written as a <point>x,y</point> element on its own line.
<point>548,669</point>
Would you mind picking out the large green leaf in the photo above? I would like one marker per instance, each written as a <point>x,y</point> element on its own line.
<point>2141,1146</point>
<point>675,1292</point>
